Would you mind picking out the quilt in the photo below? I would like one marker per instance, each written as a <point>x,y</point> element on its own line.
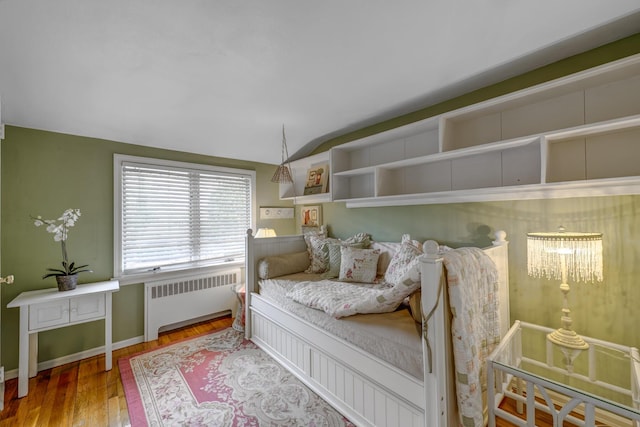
<point>472,281</point>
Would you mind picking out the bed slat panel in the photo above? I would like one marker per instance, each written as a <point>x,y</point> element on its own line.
<point>361,401</point>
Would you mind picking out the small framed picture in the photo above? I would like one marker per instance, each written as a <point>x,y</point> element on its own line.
<point>311,216</point>
<point>317,179</point>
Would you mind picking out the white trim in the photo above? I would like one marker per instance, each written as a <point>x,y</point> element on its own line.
<point>118,159</point>
<point>53,363</point>
<point>134,279</point>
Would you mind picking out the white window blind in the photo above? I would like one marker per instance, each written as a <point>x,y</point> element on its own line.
<point>179,217</point>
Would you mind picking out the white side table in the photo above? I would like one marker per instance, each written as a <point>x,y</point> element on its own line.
<point>47,309</point>
<point>604,381</point>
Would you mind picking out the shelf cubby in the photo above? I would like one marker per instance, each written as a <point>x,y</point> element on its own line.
<point>608,150</point>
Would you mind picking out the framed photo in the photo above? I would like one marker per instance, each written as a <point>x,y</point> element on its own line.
<point>311,216</point>
<point>317,179</point>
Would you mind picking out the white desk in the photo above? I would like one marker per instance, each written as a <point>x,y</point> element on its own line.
<point>47,309</point>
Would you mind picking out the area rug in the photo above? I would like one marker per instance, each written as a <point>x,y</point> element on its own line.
<point>218,379</point>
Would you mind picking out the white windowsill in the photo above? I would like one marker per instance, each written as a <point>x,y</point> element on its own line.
<point>132,279</point>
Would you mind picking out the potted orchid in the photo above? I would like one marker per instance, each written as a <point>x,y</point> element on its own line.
<point>67,276</point>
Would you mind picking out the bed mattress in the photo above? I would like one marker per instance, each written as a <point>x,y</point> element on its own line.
<point>393,337</point>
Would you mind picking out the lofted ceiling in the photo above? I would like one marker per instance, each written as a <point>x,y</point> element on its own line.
<point>220,77</point>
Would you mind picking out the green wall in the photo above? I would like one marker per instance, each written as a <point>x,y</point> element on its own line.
<point>44,173</point>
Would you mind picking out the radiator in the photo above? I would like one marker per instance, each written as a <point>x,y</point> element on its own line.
<point>177,301</point>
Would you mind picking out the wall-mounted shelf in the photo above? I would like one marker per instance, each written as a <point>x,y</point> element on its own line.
<point>571,137</point>
<point>299,168</point>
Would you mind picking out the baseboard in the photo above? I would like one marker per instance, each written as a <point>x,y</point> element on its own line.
<point>48,364</point>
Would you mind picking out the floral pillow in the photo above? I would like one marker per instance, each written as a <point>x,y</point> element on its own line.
<point>318,248</point>
<point>335,257</point>
<point>401,262</point>
<point>308,235</point>
<point>358,265</point>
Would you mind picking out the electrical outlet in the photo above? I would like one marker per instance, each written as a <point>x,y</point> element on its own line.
<point>1,374</point>
<point>1,131</point>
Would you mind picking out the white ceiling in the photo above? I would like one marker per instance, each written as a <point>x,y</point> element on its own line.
<point>221,77</point>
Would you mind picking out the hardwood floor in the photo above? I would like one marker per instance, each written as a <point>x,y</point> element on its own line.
<point>83,394</point>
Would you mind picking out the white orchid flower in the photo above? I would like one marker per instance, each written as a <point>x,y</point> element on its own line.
<point>60,230</point>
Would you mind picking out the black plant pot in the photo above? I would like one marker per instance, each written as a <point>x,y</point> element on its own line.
<point>67,283</point>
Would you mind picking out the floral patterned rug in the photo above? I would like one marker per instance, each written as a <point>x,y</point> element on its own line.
<point>219,379</point>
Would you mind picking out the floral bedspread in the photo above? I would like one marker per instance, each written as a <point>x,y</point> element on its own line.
<point>472,281</point>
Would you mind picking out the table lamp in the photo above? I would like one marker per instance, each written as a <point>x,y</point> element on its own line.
<point>563,254</point>
<point>265,232</point>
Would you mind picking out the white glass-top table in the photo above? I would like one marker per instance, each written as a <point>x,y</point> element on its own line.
<point>592,387</point>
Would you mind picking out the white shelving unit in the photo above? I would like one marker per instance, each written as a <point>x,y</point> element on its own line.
<point>299,168</point>
<point>575,136</point>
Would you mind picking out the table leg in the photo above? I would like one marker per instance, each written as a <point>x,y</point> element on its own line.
<point>33,354</point>
<point>23,358</point>
<point>108,333</point>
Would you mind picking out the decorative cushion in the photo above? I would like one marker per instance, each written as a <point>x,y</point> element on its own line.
<point>308,235</point>
<point>401,262</point>
<point>318,247</point>
<point>280,265</point>
<point>387,249</point>
<point>318,254</point>
<point>335,257</point>
<point>358,265</point>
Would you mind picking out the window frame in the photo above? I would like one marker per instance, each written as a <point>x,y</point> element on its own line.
<point>140,277</point>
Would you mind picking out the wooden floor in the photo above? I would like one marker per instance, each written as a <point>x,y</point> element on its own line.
<point>83,394</point>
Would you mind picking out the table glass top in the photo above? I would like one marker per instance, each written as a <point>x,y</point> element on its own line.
<point>605,371</point>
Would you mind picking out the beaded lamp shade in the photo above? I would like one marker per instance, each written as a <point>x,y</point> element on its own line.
<point>561,255</point>
<point>265,232</point>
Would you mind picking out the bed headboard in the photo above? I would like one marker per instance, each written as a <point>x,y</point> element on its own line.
<point>256,249</point>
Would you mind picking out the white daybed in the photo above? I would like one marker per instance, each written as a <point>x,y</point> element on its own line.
<point>364,387</point>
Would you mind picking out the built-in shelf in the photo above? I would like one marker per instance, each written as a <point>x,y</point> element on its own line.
<point>295,191</point>
<point>574,136</point>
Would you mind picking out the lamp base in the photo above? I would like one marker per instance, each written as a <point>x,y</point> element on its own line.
<point>567,338</point>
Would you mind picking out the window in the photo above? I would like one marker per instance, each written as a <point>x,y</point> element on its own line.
<point>173,215</point>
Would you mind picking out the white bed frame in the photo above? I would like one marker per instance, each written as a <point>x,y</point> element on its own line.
<point>366,389</point>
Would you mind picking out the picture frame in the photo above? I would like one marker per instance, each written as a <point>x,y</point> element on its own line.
<point>311,216</point>
<point>317,179</point>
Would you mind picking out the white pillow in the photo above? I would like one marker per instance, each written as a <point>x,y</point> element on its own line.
<point>387,249</point>
<point>358,265</point>
<point>401,262</point>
